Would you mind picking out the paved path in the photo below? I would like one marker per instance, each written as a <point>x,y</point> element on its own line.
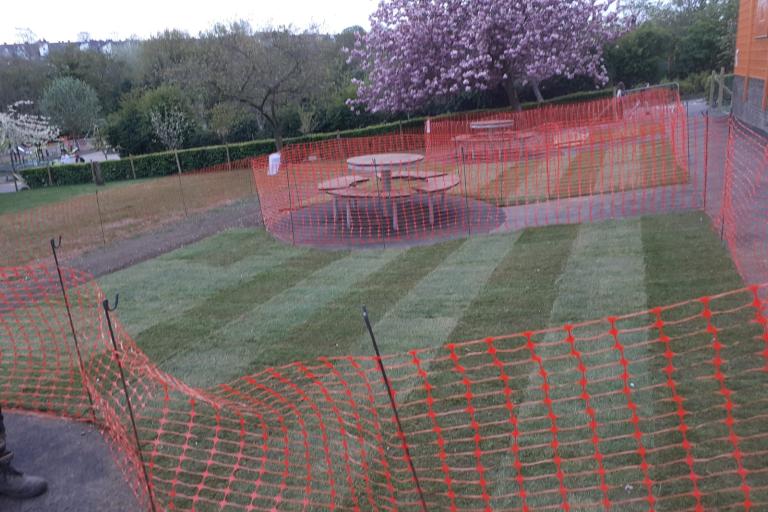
<point>76,461</point>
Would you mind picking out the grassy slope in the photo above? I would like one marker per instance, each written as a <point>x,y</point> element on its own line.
<point>10,203</point>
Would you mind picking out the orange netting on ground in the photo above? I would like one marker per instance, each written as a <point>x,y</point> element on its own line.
<point>658,410</point>
<point>470,174</point>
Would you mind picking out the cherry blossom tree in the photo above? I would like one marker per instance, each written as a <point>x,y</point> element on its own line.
<point>170,126</point>
<point>18,127</point>
<point>421,50</point>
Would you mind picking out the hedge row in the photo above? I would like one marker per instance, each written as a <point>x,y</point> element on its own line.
<point>163,164</point>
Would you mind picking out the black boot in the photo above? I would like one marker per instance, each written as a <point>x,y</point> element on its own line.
<point>14,483</point>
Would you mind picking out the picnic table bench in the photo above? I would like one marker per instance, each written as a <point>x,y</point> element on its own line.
<point>352,194</point>
<point>436,185</point>
<point>339,183</point>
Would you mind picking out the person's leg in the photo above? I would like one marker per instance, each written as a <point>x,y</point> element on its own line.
<point>14,483</point>
<point>2,436</point>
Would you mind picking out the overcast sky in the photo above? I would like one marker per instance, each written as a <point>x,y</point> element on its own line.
<point>63,21</point>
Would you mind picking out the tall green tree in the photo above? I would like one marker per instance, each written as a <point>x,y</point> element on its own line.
<point>72,105</point>
<point>642,55</point>
<point>267,71</point>
<point>107,74</point>
<point>131,128</point>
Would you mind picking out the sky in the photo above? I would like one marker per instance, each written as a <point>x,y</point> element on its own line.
<point>65,21</point>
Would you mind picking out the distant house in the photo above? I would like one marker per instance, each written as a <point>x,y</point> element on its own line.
<point>750,86</point>
<point>40,50</point>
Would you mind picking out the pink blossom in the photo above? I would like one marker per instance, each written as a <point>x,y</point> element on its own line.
<point>421,50</point>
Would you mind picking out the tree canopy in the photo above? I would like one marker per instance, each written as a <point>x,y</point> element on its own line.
<point>72,105</point>
<point>420,50</point>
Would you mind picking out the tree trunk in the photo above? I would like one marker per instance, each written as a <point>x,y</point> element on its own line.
<point>511,90</point>
<point>278,139</point>
<point>536,91</point>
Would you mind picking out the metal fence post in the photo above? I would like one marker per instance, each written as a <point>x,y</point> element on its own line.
<point>466,193</point>
<point>706,156</point>
<point>101,221</point>
<point>107,311</point>
<point>54,247</point>
<point>394,409</point>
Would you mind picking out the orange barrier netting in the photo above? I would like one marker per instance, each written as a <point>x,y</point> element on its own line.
<point>121,211</point>
<point>560,164</point>
<point>658,410</point>
<point>743,219</point>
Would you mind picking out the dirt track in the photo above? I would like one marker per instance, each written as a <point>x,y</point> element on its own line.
<point>124,253</point>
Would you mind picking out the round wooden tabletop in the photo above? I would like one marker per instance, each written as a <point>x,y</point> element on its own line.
<point>384,160</point>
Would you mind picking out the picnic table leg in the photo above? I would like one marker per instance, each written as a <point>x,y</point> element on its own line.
<point>387,178</point>
<point>349,214</point>
<point>431,210</point>
<point>335,209</point>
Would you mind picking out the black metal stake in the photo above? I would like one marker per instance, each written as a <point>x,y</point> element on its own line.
<point>107,311</point>
<point>706,156</point>
<point>181,194</point>
<point>54,247</point>
<point>290,205</point>
<point>466,192</point>
<point>725,179</point>
<point>394,408</point>
<point>381,204</point>
<point>101,221</point>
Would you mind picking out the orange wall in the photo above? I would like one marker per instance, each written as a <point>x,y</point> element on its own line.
<point>751,40</point>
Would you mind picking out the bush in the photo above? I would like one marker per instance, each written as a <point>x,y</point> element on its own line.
<point>70,174</point>
<point>695,84</point>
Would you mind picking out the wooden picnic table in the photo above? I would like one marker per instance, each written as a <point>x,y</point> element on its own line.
<point>383,164</point>
<point>477,142</point>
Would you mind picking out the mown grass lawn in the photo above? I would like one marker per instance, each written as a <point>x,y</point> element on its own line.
<point>241,301</point>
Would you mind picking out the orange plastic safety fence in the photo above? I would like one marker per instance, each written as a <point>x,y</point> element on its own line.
<point>657,410</point>
<point>743,219</point>
<point>560,164</point>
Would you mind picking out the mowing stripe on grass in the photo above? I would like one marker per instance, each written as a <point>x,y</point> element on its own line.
<point>699,265</point>
<point>604,275</point>
<point>518,294</point>
<point>168,286</point>
<point>428,314</point>
<point>231,348</point>
<point>581,172</point>
<point>193,328</point>
<point>521,290</point>
<point>337,328</point>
